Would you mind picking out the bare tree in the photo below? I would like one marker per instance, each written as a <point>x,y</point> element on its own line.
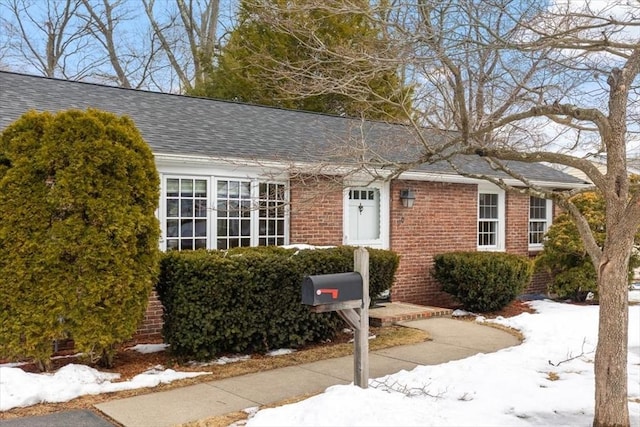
<point>46,36</point>
<point>131,54</point>
<point>169,46</point>
<point>187,36</point>
<point>510,80</point>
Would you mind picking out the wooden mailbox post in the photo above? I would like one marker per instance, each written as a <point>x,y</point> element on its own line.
<point>336,292</point>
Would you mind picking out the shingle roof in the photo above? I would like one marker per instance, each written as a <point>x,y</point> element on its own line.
<point>176,124</point>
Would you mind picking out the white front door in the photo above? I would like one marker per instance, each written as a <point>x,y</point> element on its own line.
<point>364,215</point>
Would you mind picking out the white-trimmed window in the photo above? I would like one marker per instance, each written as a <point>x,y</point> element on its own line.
<point>540,215</point>
<point>222,213</point>
<point>186,213</point>
<point>233,213</point>
<point>271,214</point>
<point>491,221</point>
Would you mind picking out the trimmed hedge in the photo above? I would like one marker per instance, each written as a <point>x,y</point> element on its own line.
<point>483,281</point>
<point>249,299</point>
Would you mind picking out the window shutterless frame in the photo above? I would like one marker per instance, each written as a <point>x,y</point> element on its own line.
<point>490,218</point>
<point>185,213</point>
<point>222,212</point>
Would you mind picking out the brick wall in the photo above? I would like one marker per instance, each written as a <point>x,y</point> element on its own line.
<point>517,223</point>
<point>151,327</point>
<point>443,219</point>
<point>316,205</point>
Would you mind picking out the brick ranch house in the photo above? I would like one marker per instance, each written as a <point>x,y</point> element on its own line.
<point>216,158</point>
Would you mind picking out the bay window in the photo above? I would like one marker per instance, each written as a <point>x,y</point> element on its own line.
<point>222,213</point>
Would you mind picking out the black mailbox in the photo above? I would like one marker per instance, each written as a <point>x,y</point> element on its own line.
<point>331,288</point>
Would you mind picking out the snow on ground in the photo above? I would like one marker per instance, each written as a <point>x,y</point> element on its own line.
<point>532,384</point>
<point>515,386</point>
<point>149,348</point>
<point>19,388</point>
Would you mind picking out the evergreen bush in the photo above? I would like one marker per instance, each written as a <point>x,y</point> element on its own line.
<point>249,299</point>
<point>483,281</point>
<point>564,256</point>
<point>78,234</point>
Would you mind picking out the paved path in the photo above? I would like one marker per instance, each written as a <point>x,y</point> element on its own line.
<point>451,340</point>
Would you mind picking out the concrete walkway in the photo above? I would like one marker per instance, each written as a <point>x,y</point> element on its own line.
<point>451,340</point>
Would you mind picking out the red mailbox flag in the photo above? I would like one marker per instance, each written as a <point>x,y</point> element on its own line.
<point>333,292</point>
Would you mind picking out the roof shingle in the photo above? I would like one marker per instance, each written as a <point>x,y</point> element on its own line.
<point>176,124</point>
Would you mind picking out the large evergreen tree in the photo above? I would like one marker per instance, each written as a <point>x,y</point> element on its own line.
<point>78,235</point>
<point>258,48</point>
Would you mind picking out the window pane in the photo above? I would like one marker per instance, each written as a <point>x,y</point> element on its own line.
<point>186,244</point>
<point>201,243</point>
<point>234,208</point>
<point>263,190</point>
<point>222,227</point>
<point>487,233</point>
<point>536,232</point>
<point>201,188</point>
<point>222,208</point>
<point>201,208</point>
<point>246,227</point>
<point>234,227</point>
<point>186,187</point>
<point>488,206</point>
<point>245,190</point>
<point>186,228</point>
<point>172,228</point>
<point>234,189</point>
<point>201,227</point>
<point>173,187</point>
<point>186,207</point>
<point>245,208</point>
<point>222,244</point>
<point>245,242</point>
<point>537,208</point>
<point>172,207</point>
<point>172,244</point>
<point>223,189</point>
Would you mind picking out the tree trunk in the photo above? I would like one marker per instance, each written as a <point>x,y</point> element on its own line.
<point>612,408</point>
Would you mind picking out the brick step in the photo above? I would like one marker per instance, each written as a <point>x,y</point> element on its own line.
<point>389,313</point>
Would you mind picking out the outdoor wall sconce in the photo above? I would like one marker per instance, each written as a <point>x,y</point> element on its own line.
<point>407,196</point>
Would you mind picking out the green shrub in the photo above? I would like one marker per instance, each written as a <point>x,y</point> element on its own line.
<point>249,299</point>
<point>78,235</point>
<point>382,265</point>
<point>482,281</point>
<point>564,256</point>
